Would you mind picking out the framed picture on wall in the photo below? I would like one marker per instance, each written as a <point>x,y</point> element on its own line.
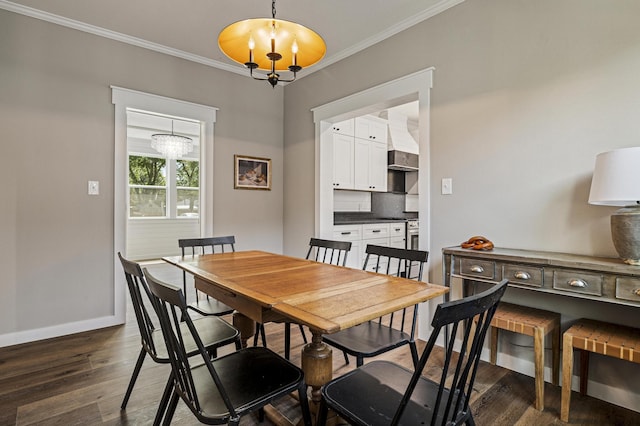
<point>252,172</point>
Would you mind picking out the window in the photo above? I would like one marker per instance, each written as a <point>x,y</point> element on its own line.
<point>160,187</point>
<point>147,187</point>
<point>188,190</point>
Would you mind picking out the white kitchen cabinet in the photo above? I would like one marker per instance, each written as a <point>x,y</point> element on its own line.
<point>351,233</point>
<point>370,168</point>
<point>360,161</point>
<point>397,235</point>
<point>379,234</point>
<point>371,128</point>
<point>346,127</point>
<point>376,234</point>
<point>343,161</point>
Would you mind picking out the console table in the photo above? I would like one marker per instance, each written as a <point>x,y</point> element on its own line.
<point>603,279</point>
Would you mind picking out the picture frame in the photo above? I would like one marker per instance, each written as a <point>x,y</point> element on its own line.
<point>252,172</point>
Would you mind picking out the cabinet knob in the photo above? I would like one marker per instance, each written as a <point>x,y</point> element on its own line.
<point>522,275</point>
<point>577,282</point>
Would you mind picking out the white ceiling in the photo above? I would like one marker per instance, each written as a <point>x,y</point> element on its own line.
<point>189,28</point>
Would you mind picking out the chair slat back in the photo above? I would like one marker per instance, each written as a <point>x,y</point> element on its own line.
<point>171,308</point>
<point>207,245</point>
<point>400,263</point>
<point>329,251</point>
<point>458,376</point>
<point>195,246</point>
<point>137,286</point>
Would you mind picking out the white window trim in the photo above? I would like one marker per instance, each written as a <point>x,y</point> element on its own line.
<point>126,98</point>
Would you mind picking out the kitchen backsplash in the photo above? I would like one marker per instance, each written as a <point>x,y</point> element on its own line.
<point>383,205</point>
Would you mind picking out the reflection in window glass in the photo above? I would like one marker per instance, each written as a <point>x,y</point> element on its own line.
<point>147,187</point>
<point>188,191</point>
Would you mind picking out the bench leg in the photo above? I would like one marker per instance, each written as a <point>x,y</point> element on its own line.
<point>555,351</point>
<point>567,374</point>
<point>584,371</point>
<point>493,349</point>
<point>538,349</point>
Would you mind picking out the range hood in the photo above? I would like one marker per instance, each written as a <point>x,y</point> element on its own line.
<point>403,148</point>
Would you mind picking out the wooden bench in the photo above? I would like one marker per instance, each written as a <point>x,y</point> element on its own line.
<point>599,337</point>
<point>531,322</point>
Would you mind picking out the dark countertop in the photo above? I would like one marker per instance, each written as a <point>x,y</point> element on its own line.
<point>371,220</point>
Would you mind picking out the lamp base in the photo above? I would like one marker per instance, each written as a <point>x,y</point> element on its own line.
<point>625,232</point>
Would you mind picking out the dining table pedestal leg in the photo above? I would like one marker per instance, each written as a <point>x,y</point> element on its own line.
<point>317,364</point>
<point>245,325</point>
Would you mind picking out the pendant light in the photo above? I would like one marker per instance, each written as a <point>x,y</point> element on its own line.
<point>272,45</point>
<point>171,145</point>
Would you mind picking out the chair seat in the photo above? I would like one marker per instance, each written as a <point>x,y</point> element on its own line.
<point>369,339</point>
<point>370,395</point>
<point>211,306</point>
<point>212,330</point>
<point>249,375</point>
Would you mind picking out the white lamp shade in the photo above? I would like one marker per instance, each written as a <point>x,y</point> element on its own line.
<point>616,178</point>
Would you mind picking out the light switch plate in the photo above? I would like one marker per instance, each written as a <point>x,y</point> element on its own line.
<point>447,186</point>
<point>94,187</point>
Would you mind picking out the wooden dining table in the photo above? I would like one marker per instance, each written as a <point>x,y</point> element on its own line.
<point>267,287</point>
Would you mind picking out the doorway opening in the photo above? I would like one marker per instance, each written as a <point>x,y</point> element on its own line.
<point>127,102</point>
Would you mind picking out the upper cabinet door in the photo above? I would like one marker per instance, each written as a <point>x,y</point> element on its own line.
<point>343,161</point>
<point>378,166</point>
<point>344,127</point>
<point>371,128</point>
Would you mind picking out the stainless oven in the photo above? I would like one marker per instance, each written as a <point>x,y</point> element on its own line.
<point>413,226</point>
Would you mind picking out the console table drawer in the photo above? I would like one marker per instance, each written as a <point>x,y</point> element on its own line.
<point>578,282</point>
<point>523,275</point>
<point>478,268</point>
<point>628,289</point>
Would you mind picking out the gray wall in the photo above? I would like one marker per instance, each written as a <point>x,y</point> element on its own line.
<point>57,121</point>
<point>526,93</point>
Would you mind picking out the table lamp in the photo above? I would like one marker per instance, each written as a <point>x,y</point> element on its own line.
<point>616,182</point>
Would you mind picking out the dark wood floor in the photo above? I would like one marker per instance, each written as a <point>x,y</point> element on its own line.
<point>81,379</point>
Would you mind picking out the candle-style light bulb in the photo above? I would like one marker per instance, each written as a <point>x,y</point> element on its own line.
<point>294,50</point>
<point>273,36</point>
<point>252,45</point>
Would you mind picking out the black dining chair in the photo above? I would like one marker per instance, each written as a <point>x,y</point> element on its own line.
<point>373,338</point>
<point>214,331</point>
<point>382,393</point>
<point>325,251</point>
<point>194,246</point>
<point>220,390</point>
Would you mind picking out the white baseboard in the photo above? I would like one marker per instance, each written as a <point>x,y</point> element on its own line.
<point>27,336</point>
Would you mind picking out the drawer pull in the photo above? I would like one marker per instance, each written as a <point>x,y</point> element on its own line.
<point>577,282</point>
<point>346,233</point>
<point>522,275</point>
<point>398,229</point>
<point>375,231</point>
<point>636,291</point>
<point>477,269</point>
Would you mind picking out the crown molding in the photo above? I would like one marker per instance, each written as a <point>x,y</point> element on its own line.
<point>434,10</point>
<point>113,35</point>
<point>437,8</point>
